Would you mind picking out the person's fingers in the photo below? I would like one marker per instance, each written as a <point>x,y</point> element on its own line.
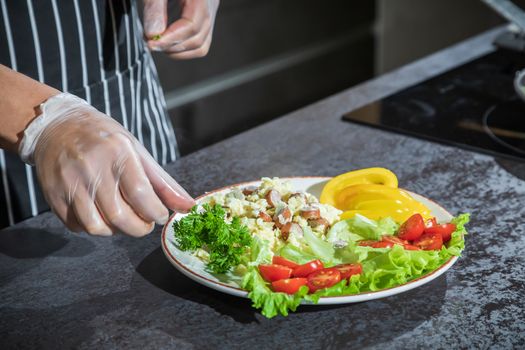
<point>119,214</point>
<point>137,190</point>
<point>167,189</point>
<point>195,18</point>
<point>88,215</point>
<point>200,52</point>
<point>114,209</point>
<point>192,43</point>
<point>155,17</point>
<point>65,213</point>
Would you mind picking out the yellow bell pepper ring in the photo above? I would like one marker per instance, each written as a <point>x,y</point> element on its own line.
<point>398,210</point>
<point>377,176</point>
<point>350,196</point>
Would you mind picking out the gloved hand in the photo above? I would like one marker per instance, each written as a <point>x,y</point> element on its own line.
<point>94,174</point>
<point>188,37</point>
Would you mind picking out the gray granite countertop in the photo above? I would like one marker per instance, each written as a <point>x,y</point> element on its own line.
<point>62,290</point>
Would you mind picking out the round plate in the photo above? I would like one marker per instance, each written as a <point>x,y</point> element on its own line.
<point>194,268</point>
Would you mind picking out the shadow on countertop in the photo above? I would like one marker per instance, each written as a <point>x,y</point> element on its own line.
<point>513,167</point>
<point>22,249</point>
<point>366,323</point>
<point>157,270</point>
<point>29,243</point>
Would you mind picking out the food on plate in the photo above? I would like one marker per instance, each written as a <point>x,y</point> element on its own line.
<point>371,192</point>
<point>225,241</point>
<point>285,247</point>
<point>376,176</point>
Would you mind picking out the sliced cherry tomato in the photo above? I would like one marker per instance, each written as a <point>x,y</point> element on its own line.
<point>306,269</point>
<point>429,241</point>
<point>348,270</point>
<point>274,272</point>
<point>394,240</point>
<point>445,230</point>
<point>430,222</point>
<point>324,278</point>
<point>382,244</point>
<point>289,285</point>
<point>279,260</point>
<point>366,243</point>
<point>412,228</point>
<point>376,244</point>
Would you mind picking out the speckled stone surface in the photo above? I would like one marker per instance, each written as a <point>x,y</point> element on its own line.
<point>64,290</point>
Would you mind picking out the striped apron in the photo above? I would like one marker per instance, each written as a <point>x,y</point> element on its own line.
<point>95,50</point>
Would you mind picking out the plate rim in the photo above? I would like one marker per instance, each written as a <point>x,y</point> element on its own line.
<point>244,293</point>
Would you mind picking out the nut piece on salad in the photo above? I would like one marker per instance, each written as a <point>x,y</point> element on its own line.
<point>291,227</point>
<point>320,222</point>
<point>310,212</point>
<point>273,197</point>
<point>247,191</point>
<point>265,217</point>
<point>282,217</point>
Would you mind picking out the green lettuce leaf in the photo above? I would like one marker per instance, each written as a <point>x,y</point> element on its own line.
<point>270,302</point>
<point>299,256</point>
<point>361,228</point>
<point>341,231</point>
<point>382,267</point>
<point>260,252</point>
<point>457,241</point>
<point>387,226</point>
<point>322,249</point>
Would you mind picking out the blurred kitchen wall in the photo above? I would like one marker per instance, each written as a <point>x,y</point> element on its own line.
<point>410,29</point>
<point>270,57</point>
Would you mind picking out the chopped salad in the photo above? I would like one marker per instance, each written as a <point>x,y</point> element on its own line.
<point>283,246</point>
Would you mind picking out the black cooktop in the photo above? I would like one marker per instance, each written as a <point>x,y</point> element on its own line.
<point>473,106</point>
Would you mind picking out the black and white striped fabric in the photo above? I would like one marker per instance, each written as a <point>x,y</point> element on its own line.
<point>95,50</point>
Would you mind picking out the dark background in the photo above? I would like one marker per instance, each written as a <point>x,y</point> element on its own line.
<point>270,57</point>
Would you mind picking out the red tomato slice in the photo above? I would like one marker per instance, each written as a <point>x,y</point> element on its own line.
<point>382,244</point>
<point>366,243</point>
<point>306,269</point>
<point>274,272</point>
<point>279,260</point>
<point>394,240</point>
<point>348,270</point>
<point>376,244</point>
<point>430,222</point>
<point>445,230</point>
<point>323,279</point>
<point>429,241</point>
<point>412,228</point>
<point>289,285</point>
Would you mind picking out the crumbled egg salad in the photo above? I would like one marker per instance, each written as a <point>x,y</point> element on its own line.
<point>275,212</point>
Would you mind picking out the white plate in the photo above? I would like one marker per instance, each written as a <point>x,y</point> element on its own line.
<point>194,268</point>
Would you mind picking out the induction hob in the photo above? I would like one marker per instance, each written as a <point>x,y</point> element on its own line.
<point>473,106</point>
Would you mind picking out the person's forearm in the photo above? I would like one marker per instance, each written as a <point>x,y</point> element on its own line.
<point>20,97</point>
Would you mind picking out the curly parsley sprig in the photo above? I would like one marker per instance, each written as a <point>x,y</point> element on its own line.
<point>206,228</point>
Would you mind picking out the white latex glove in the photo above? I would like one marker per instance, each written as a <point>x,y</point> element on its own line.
<point>94,174</point>
<point>188,37</point>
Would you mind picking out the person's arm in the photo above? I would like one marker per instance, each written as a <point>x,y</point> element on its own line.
<point>20,98</point>
<point>94,174</point>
